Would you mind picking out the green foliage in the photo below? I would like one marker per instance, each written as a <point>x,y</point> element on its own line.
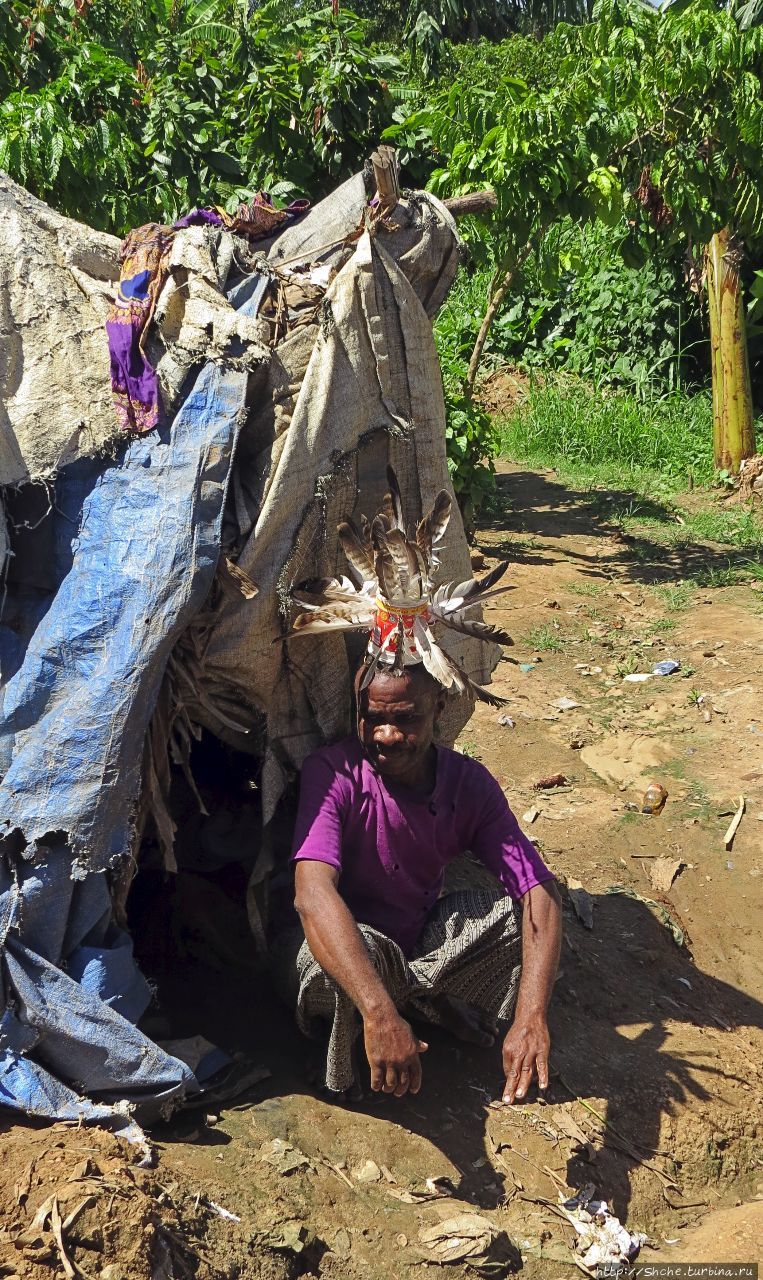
<point>473,442</point>
<point>678,91</point>
<point>564,420</point>
<point>651,122</point>
<point>123,115</point>
<point>576,306</point>
<point>473,439</point>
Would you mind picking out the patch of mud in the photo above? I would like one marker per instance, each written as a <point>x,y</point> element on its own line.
<point>628,759</point>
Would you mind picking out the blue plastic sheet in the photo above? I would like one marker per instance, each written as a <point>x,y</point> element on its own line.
<point>75,714</point>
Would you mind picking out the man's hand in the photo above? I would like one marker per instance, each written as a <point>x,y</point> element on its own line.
<point>393,1053</point>
<point>525,1054</point>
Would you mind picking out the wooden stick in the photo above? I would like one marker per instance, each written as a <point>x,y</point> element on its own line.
<point>728,839</point>
<point>384,161</point>
<point>475,202</point>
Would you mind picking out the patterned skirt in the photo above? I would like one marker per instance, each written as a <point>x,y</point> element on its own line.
<point>471,949</point>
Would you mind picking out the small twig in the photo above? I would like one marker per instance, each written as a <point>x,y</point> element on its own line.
<point>324,1160</point>
<point>628,1147</point>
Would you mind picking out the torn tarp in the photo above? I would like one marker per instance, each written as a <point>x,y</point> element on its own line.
<point>74,721</point>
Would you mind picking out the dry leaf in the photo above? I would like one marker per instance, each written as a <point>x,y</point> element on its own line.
<point>458,1239</point>
<point>553,780</point>
<point>284,1157</point>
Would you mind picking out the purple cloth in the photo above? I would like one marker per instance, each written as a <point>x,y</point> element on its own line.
<point>391,847</point>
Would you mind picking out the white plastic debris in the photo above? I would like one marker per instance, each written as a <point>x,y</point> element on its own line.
<point>602,1238</point>
<point>223,1213</point>
<point>564,704</point>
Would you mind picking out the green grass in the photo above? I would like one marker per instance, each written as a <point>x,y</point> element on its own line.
<point>654,445</point>
<point>674,596</point>
<point>737,526</point>
<point>545,638</point>
<point>659,627</point>
<point>585,588</point>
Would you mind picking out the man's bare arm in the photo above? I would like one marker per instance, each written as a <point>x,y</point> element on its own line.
<point>526,1047</point>
<point>337,944</point>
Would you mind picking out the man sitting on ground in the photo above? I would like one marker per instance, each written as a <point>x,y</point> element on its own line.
<point>380,817</point>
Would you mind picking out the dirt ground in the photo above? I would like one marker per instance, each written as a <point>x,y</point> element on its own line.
<point>656,1084</point>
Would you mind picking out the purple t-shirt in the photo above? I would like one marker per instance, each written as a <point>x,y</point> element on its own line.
<point>391,847</point>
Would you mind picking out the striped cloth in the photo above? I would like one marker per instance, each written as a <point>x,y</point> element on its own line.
<point>471,949</point>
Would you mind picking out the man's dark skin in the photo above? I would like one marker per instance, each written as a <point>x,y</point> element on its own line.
<point>396,724</point>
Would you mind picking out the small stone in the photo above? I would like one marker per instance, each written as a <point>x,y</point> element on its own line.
<point>368,1171</point>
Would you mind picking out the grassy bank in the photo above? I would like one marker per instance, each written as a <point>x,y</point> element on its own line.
<point>564,421</point>
<point>656,455</point>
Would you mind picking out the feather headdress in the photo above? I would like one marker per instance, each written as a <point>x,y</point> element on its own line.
<point>397,600</point>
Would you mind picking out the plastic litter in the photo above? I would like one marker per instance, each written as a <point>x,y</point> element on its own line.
<point>527,667</point>
<point>602,1238</point>
<point>506,721</point>
<point>653,800</point>
<point>223,1213</point>
<point>637,677</point>
<point>564,704</point>
<point>661,911</point>
<point>666,668</point>
<point>368,1171</point>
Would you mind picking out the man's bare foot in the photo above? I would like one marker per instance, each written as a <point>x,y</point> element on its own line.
<point>465,1021</point>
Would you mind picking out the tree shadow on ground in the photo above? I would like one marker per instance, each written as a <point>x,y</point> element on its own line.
<point>535,504</point>
<point>624,1002</point>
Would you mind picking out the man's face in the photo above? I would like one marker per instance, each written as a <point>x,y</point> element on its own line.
<point>396,724</point>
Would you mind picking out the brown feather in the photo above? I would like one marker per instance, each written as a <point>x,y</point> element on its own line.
<point>397,665</point>
<point>489,580</point>
<point>395,499</point>
<point>387,575</point>
<point>468,627</point>
<point>365,534</point>
<point>318,591</point>
<point>404,557</point>
<point>354,549</point>
<point>435,660</point>
<point>431,529</point>
<point>322,620</point>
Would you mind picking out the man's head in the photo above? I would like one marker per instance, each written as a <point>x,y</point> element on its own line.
<point>396,722</point>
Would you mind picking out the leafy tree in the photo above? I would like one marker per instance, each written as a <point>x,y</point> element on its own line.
<point>655,118</point>
<point>120,114</point>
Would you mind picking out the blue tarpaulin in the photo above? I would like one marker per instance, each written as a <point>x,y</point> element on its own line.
<point>134,544</point>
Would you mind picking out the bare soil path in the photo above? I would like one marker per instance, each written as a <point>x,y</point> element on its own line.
<point>657,1089</point>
